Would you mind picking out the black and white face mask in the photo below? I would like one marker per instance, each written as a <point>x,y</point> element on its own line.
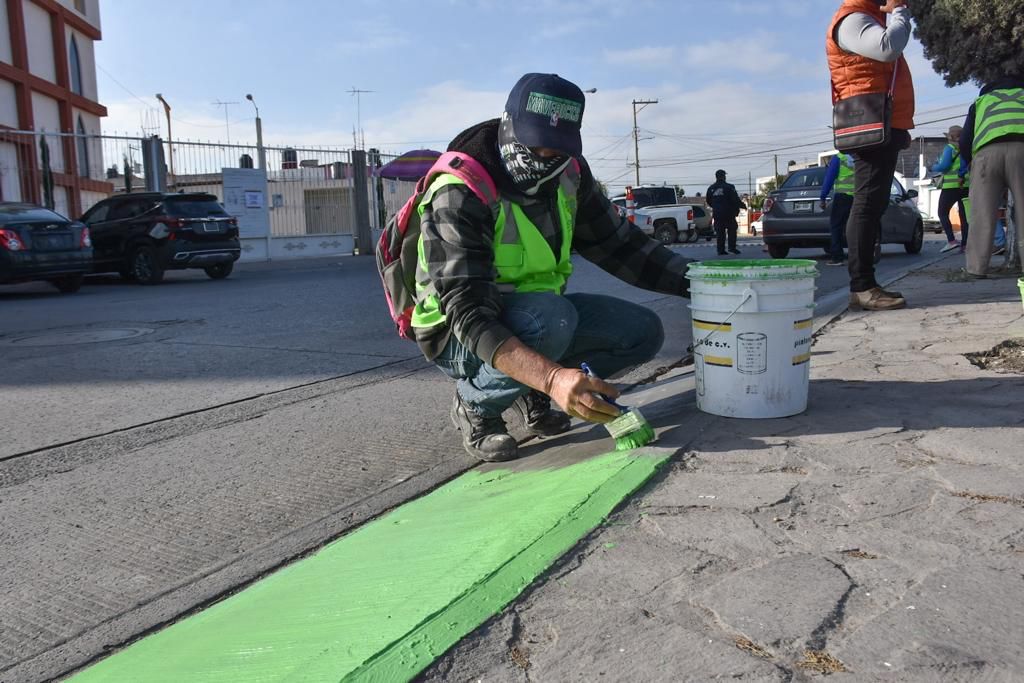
<point>527,170</point>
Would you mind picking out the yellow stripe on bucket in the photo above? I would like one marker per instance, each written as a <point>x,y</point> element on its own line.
<point>801,359</point>
<point>707,325</point>
<point>803,324</point>
<point>721,361</point>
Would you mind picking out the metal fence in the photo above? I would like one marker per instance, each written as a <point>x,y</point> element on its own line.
<point>310,189</point>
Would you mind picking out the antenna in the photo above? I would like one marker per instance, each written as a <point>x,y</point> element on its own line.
<point>227,124</point>
<point>357,92</point>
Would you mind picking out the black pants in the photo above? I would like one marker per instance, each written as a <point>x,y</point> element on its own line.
<point>947,198</point>
<point>872,184</point>
<point>838,217</point>
<point>722,227</point>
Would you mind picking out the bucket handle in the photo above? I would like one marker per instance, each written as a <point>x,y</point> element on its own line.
<point>748,294</point>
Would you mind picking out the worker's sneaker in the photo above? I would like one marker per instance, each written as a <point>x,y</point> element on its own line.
<point>485,438</point>
<point>734,250</point>
<point>876,299</point>
<point>950,246</point>
<point>835,262</point>
<point>535,410</point>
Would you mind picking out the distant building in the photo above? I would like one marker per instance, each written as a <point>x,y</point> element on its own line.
<point>48,83</point>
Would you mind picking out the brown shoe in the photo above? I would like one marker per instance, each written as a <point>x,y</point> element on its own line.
<point>875,299</point>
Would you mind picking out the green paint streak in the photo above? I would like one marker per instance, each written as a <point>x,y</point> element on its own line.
<point>383,602</point>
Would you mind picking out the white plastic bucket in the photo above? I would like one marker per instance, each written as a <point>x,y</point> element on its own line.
<point>752,324</point>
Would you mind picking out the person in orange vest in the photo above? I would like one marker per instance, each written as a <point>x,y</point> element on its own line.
<point>863,50</point>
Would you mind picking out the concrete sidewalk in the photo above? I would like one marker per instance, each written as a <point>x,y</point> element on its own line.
<point>878,536</point>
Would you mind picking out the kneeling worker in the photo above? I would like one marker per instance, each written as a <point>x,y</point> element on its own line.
<point>492,312</point>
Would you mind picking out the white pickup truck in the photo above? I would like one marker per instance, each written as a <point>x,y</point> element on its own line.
<point>668,223</point>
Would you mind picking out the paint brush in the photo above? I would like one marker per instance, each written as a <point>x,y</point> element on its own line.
<point>630,430</point>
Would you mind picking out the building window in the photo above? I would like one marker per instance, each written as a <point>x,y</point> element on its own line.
<point>82,144</point>
<point>75,64</point>
<point>80,6</point>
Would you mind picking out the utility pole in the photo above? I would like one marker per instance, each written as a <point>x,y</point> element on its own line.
<point>776,171</point>
<point>261,153</point>
<point>636,135</point>
<point>170,143</point>
<point>227,123</point>
<point>356,140</point>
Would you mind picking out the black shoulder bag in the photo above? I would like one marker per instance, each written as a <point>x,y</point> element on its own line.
<point>863,121</point>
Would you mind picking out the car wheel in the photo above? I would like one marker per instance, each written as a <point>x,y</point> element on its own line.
<point>69,284</point>
<point>691,235</point>
<point>778,250</point>
<point>145,267</point>
<point>220,271</point>
<point>666,232</point>
<point>915,243</point>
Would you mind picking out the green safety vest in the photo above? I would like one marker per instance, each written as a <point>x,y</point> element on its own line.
<point>998,113</point>
<point>951,178</point>
<point>523,259</point>
<point>844,182</point>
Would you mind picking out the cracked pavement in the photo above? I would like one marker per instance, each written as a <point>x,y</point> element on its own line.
<point>879,536</point>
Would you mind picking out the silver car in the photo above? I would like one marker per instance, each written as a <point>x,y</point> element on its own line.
<point>793,217</point>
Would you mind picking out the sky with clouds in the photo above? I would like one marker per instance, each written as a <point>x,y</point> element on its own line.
<point>737,82</point>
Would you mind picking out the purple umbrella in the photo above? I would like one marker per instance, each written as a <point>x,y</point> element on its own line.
<point>410,166</point>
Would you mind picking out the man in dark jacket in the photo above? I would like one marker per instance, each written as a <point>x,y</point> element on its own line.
<point>725,206</point>
<point>492,312</point>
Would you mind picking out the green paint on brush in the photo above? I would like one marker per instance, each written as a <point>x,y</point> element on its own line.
<point>630,430</point>
<point>383,602</point>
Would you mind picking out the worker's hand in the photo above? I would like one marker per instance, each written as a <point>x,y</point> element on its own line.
<point>577,394</point>
<point>824,204</point>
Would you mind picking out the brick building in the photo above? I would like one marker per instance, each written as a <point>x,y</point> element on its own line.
<point>48,84</point>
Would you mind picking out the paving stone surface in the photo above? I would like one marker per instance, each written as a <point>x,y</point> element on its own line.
<point>877,537</point>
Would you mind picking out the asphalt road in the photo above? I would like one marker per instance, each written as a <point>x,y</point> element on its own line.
<point>164,445</point>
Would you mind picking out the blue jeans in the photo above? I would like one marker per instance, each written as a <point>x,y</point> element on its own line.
<point>840,213</point>
<point>610,334</point>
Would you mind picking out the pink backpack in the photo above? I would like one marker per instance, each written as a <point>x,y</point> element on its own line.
<point>398,246</point>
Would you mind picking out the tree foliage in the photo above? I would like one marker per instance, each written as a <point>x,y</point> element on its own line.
<point>757,201</point>
<point>971,40</point>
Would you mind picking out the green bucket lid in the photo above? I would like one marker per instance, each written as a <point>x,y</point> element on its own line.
<point>753,269</point>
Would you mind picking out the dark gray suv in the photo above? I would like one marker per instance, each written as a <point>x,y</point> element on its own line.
<point>142,235</point>
<point>793,217</point>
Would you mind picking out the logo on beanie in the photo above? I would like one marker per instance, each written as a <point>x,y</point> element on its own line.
<point>555,108</point>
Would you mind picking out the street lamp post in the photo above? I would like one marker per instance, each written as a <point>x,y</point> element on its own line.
<point>636,135</point>
<point>170,146</point>
<point>261,154</point>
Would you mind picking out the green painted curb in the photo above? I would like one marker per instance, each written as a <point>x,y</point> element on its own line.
<point>383,602</point>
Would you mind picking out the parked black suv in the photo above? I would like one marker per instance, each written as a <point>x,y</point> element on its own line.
<point>39,244</point>
<point>141,235</point>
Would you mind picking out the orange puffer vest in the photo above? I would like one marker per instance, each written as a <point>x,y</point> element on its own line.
<point>853,74</point>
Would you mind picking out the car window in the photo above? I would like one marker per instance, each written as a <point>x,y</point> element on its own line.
<point>96,214</point>
<point>896,190</point>
<point>193,208</point>
<point>29,213</point>
<point>808,177</point>
<point>129,209</point>
<point>698,212</point>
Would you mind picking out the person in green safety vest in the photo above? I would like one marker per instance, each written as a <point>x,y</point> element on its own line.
<point>992,144</point>
<point>492,310</point>
<point>839,183</point>
<point>953,188</point>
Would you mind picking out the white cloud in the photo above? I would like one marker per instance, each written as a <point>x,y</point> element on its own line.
<point>752,54</point>
<point>641,56</point>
